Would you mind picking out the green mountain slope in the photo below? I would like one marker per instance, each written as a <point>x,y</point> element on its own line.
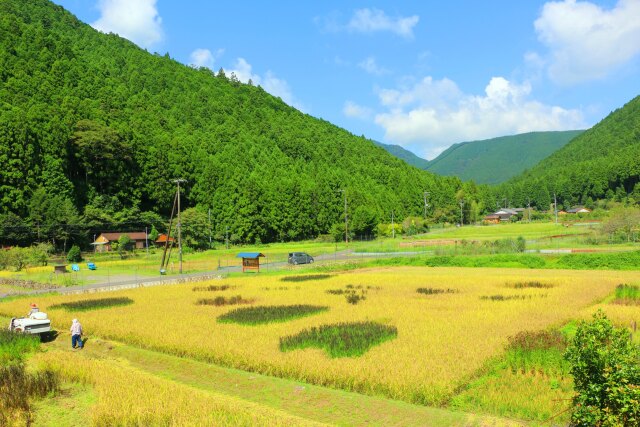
<point>603,162</point>
<point>402,154</point>
<point>93,129</point>
<point>496,160</point>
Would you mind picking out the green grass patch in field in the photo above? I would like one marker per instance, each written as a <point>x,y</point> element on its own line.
<point>269,313</point>
<point>435,291</point>
<point>305,277</point>
<point>601,261</point>
<point>93,304</point>
<point>213,288</point>
<point>542,351</point>
<point>342,339</point>
<point>219,301</point>
<point>14,346</point>
<point>627,295</point>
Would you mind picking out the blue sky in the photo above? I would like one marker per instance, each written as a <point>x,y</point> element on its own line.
<point>421,74</point>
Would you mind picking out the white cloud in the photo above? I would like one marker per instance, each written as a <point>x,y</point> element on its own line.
<point>435,114</point>
<point>371,66</point>
<point>137,20</point>
<point>353,110</point>
<point>269,82</point>
<point>204,57</point>
<point>587,42</point>
<point>373,20</point>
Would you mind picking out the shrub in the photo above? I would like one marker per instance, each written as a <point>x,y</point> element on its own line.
<point>267,314</point>
<point>74,254</point>
<point>342,339</point>
<point>93,304</point>
<point>605,365</point>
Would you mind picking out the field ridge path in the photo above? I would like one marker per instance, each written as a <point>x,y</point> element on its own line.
<point>315,403</point>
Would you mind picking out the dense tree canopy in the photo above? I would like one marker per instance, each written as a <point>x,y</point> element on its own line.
<point>93,129</point>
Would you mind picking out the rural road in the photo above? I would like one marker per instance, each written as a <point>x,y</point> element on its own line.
<point>135,282</point>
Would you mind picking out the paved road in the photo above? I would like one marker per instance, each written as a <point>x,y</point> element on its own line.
<point>135,282</point>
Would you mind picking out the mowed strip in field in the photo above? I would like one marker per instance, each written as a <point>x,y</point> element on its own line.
<point>443,339</point>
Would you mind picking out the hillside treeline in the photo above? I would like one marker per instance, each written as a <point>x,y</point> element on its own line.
<point>94,129</point>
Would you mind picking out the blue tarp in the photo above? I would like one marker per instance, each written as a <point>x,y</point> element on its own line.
<point>251,255</point>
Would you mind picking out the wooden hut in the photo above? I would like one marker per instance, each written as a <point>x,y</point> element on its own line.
<point>250,260</point>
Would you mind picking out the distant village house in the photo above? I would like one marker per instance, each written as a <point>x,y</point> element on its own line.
<point>578,209</point>
<point>103,242</point>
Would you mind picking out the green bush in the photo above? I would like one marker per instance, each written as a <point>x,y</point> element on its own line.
<point>605,365</point>
<point>74,254</point>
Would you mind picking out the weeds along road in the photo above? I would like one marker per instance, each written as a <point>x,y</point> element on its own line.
<point>133,281</point>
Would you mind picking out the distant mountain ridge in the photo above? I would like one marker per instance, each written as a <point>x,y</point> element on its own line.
<point>496,160</point>
<point>404,154</point>
<point>603,162</point>
<point>489,161</point>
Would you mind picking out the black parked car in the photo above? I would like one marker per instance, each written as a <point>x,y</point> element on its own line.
<point>296,258</point>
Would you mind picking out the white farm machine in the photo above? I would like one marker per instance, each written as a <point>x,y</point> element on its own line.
<point>36,323</point>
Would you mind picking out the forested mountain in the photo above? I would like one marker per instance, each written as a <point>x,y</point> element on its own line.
<point>403,154</point>
<point>495,160</point>
<point>93,130</point>
<point>603,162</point>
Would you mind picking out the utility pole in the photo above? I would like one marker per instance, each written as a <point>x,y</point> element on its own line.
<point>209,228</point>
<point>346,233</point>
<point>226,237</point>
<point>426,205</point>
<point>529,208</point>
<point>555,206</point>
<point>178,181</point>
<point>505,202</point>
<point>146,239</point>
<point>393,227</point>
<point>461,217</point>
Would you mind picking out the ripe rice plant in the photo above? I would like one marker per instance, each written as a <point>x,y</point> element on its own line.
<point>218,301</point>
<point>435,291</point>
<point>267,314</point>
<point>211,288</point>
<point>126,396</point>
<point>93,304</point>
<point>530,284</point>
<point>442,331</point>
<point>342,339</point>
<point>305,277</point>
<point>627,295</point>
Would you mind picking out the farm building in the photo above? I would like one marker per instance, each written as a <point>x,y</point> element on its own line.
<point>491,219</point>
<point>104,240</point>
<point>250,260</point>
<point>578,209</point>
<point>505,214</point>
<point>162,240</point>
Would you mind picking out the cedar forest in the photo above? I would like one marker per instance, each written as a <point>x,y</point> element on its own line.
<point>94,129</point>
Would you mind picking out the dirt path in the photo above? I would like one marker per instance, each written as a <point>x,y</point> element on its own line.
<point>315,403</point>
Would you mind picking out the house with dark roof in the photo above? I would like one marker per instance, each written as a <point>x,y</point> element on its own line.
<point>103,242</point>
